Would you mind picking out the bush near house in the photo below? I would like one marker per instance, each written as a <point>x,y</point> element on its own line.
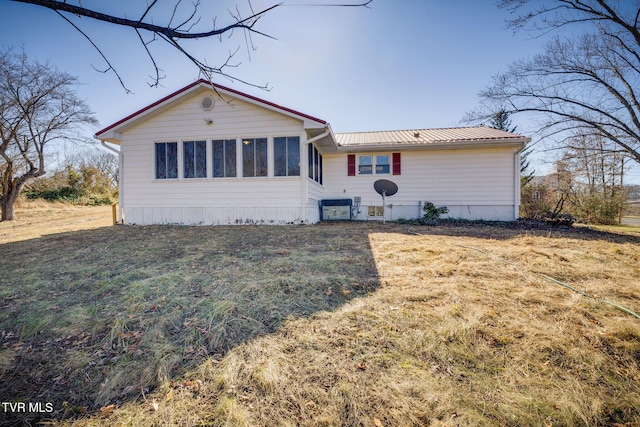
<point>565,205</point>
<point>432,212</point>
<point>87,186</point>
<point>431,215</point>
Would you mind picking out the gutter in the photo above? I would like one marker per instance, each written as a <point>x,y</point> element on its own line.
<point>322,135</point>
<point>120,218</point>
<point>305,183</point>
<point>516,180</point>
<point>455,145</point>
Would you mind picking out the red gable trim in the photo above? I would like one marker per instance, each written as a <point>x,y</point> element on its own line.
<point>223,88</point>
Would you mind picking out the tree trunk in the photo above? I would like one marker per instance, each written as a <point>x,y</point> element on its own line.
<point>7,209</point>
<point>7,203</point>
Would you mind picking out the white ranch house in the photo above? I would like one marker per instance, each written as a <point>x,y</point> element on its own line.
<point>213,155</point>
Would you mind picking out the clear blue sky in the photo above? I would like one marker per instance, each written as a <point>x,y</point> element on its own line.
<point>400,64</point>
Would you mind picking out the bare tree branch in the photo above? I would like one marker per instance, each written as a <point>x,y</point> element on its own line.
<point>167,31</point>
<point>104,58</point>
<point>587,81</point>
<point>172,33</point>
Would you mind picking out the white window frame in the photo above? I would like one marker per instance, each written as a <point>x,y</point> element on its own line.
<point>225,141</point>
<point>374,163</point>
<point>375,211</point>
<point>268,158</point>
<point>287,165</point>
<point>178,160</point>
<point>206,159</point>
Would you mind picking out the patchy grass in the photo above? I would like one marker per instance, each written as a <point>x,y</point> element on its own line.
<point>633,230</point>
<point>333,324</point>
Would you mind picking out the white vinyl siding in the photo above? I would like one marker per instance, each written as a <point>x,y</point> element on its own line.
<point>472,183</point>
<point>234,199</point>
<point>251,187</point>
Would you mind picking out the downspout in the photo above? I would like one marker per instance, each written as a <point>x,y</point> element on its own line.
<point>305,183</point>
<point>120,180</point>
<point>516,181</point>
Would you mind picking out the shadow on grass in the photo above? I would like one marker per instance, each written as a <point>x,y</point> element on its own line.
<point>97,317</point>
<point>100,317</point>
<point>499,230</point>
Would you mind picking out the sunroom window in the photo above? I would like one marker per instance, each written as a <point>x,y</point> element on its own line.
<point>286,153</point>
<point>166,160</point>
<point>224,158</point>
<point>254,157</point>
<point>195,159</point>
<point>315,164</point>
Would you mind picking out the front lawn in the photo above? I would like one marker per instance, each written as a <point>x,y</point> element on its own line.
<point>332,324</point>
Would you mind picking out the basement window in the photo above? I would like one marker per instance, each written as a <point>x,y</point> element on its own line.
<point>375,211</point>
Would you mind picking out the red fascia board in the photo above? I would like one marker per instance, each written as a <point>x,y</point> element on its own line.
<point>216,86</point>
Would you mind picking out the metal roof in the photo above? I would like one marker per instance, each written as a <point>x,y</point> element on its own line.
<point>477,134</point>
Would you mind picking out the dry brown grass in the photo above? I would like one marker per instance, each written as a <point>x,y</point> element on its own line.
<point>39,218</point>
<point>335,324</point>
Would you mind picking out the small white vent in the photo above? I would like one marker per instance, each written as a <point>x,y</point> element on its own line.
<point>206,103</point>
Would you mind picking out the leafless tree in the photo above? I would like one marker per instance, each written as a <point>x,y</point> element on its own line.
<point>104,162</point>
<point>587,80</point>
<point>598,168</point>
<point>38,105</point>
<point>180,26</point>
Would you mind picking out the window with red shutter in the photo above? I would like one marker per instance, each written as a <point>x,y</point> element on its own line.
<point>351,165</point>
<point>396,164</point>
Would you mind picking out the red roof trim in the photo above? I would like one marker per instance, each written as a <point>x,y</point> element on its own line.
<point>223,88</point>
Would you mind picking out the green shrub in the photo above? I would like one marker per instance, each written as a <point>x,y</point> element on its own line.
<point>98,199</point>
<point>597,209</point>
<point>60,194</point>
<point>433,213</point>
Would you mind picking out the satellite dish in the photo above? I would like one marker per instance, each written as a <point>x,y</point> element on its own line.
<point>384,187</point>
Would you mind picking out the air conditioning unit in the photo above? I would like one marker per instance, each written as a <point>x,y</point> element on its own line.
<point>336,209</point>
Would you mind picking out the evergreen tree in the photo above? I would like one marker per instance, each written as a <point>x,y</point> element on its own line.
<point>502,121</point>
